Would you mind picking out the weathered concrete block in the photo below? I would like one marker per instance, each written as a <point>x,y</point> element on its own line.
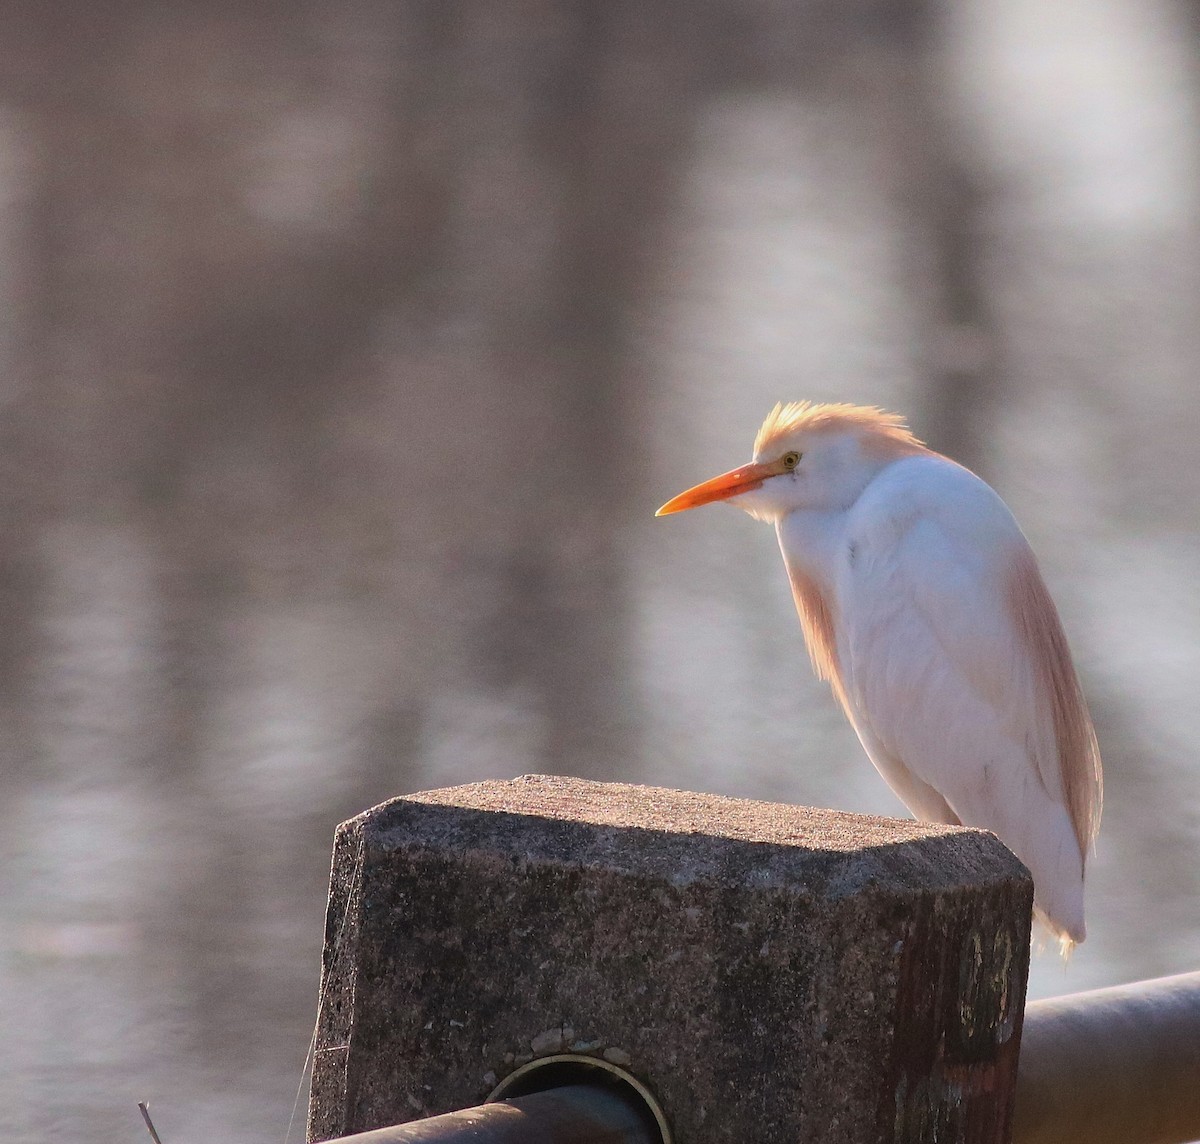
<point>772,973</point>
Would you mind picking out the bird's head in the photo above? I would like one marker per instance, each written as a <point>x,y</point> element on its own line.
<point>807,457</point>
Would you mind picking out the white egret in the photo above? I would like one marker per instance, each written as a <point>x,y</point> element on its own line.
<point>922,605</point>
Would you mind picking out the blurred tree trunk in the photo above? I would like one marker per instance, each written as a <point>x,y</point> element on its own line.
<point>942,192</point>
<point>610,122</point>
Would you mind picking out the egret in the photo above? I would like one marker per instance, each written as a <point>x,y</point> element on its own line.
<point>922,605</point>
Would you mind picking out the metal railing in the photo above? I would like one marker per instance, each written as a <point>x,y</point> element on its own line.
<point>1112,1066</point>
<point>574,1114</point>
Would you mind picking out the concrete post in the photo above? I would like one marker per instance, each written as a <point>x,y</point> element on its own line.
<point>769,973</point>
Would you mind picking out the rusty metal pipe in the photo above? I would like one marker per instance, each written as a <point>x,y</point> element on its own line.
<point>573,1114</point>
<point>1112,1066</point>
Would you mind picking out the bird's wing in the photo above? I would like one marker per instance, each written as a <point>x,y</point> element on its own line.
<point>954,666</point>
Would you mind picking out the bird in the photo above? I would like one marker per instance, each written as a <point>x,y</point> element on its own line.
<point>923,607</point>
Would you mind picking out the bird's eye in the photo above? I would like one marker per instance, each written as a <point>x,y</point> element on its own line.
<point>790,461</point>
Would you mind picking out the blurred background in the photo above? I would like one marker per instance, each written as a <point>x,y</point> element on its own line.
<point>346,350</point>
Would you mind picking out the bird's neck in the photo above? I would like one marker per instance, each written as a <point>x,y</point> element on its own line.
<point>810,541</point>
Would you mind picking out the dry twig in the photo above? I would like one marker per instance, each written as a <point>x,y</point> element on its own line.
<point>144,1109</point>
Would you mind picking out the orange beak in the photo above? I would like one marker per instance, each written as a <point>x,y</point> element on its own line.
<point>731,484</point>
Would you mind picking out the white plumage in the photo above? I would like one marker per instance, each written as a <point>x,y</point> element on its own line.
<point>922,604</point>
